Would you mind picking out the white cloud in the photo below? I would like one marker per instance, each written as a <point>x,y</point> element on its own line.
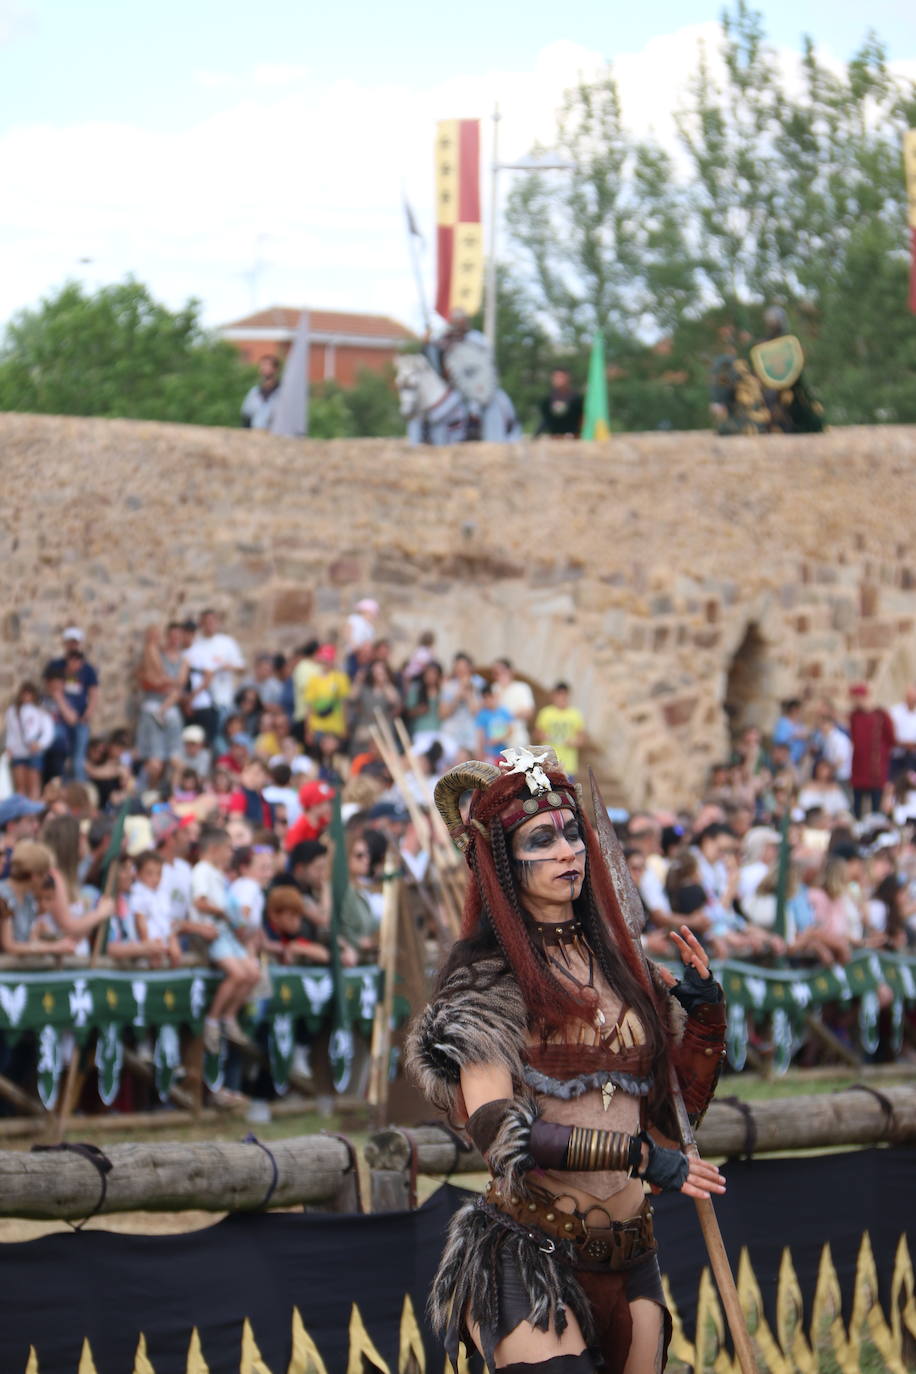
<point>16,20</point>
<point>292,185</point>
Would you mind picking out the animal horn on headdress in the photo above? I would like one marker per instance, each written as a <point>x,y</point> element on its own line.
<point>452,786</point>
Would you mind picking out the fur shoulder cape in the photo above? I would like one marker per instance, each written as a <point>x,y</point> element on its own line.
<point>479,1017</point>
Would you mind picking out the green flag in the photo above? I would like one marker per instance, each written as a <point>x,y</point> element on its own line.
<point>109,874</point>
<point>341,1045</point>
<point>597,424</point>
<point>781,924</point>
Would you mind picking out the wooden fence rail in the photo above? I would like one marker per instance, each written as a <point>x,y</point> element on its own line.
<point>220,1176</point>
<point>816,1121</point>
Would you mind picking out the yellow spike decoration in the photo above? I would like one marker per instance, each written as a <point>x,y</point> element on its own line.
<point>873,1334</point>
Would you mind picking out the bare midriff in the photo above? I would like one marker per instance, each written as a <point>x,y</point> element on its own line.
<point>618,1033</point>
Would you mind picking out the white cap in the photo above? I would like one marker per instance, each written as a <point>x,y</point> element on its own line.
<point>193,734</point>
<point>73,632</point>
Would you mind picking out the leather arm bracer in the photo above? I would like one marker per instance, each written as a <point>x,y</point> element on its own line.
<point>514,1139</point>
<point>698,1057</point>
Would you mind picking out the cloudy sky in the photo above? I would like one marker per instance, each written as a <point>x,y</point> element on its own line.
<point>255,155</point>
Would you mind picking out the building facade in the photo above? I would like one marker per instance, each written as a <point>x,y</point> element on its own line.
<point>341,345</point>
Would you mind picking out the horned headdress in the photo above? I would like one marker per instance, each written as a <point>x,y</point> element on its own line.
<point>482,805</point>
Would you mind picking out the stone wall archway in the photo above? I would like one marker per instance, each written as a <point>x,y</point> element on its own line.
<point>747,682</point>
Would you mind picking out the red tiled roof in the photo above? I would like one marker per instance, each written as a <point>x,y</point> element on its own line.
<point>324,322</point>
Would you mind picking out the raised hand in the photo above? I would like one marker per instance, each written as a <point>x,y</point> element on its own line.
<point>691,951</point>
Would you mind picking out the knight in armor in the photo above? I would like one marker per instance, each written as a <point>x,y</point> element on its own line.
<point>736,400</point>
<point>463,356</point>
<point>792,408</point>
<point>549,1042</point>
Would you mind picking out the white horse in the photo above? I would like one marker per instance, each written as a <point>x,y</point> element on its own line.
<point>437,413</point>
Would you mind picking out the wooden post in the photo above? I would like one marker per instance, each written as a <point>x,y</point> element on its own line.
<point>384,1007</point>
<point>19,1099</point>
<point>831,1041</point>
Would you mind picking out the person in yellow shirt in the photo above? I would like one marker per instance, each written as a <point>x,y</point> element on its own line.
<point>562,726</point>
<point>304,671</point>
<point>326,694</point>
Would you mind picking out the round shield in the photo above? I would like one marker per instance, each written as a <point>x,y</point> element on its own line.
<point>469,366</point>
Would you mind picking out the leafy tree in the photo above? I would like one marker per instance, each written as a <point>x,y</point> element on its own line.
<point>601,245</point>
<point>373,404</point>
<point>119,353</point>
<point>369,409</point>
<point>799,198</point>
<point>525,354</point>
<point>329,417</point>
<point>793,194</point>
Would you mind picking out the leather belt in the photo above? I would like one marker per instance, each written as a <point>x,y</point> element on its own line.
<point>617,1246</point>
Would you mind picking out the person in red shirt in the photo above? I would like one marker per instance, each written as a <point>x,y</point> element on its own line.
<point>315,798</point>
<point>872,732</point>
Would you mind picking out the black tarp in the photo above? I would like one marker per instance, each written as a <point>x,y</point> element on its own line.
<point>108,1288</point>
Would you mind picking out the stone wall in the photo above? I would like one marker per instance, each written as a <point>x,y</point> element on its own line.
<point>666,576</point>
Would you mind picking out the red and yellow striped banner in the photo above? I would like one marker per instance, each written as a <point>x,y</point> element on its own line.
<point>459,233</point>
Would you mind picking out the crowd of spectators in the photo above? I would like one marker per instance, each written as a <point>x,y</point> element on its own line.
<point>225,780</point>
<point>801,850</point>
<point>224,783</point>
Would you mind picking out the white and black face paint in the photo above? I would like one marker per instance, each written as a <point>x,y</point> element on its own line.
<point>552,838</point>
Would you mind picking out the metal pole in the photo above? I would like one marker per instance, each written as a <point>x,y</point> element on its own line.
<point>418,276</point>
<point>308,380</point>
<point>489,318</point>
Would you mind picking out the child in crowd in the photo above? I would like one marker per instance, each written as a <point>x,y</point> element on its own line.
<point>29,734</point>
<point>128,937</point>
<point>287,935</point>
<point>254,865</point>
<point>150,905</point>
<point>494,726</point>
<point>210,900</point>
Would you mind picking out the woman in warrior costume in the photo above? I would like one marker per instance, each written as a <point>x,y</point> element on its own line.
<point>549,1042</point>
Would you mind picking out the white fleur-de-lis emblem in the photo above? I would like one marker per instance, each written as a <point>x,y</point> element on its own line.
<point>318,991</point>
<point>367,997</point>
<point>49,1051</point>
<point>283,1035</point>
<point>756,990</point>
<point>13,1001</point>
<point>198,997</point>
<point>801,993</point>
<point>81,1003</point>
<point>138,988</point>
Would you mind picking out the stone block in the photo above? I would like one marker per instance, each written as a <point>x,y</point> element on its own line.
<point>677,714</point>
<point>344,571</point>
<point>292,606</point>
<point>614,624</point>
<point>869,597</point>
<point>238,577</point>
<point>327,601</point>
<point>843,615</point>
<point>876,636</point>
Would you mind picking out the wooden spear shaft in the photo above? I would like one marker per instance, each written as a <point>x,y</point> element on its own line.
<point>631,907</point>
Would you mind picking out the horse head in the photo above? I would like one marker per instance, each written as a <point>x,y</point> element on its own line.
<point>419,385</point>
